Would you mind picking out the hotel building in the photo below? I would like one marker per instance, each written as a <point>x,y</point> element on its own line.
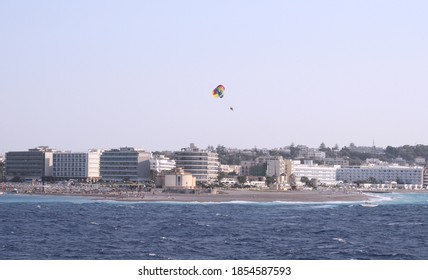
<point>201,163</point>
<point>125,164</point>
<point>29,165</point>
<point>161,163</point>
<point>382,174</point>
<point>275,167</point>
<point>79,166</point>
<point>425,177</point>
<point>322,173</point>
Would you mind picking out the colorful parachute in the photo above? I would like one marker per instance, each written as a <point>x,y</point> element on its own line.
<point>218,91</point>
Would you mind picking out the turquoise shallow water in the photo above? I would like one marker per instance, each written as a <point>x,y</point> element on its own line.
<point>58,227</point>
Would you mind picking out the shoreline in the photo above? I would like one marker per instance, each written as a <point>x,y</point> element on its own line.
<point>305,196</point>
<point>218,196</point>
<point>251,196</point>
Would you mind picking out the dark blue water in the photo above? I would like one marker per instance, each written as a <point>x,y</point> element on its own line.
<point>40,227</point>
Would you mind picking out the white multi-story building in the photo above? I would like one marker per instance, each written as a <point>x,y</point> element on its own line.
<point>68,165</point>
<point>94,157</point>
<point>425,178</point>
<point>382,174</point>
<point>202,164</point>
<point>161,163</point>
<point>80,166</point>
<point>275,167</point>
<point>322,173</point>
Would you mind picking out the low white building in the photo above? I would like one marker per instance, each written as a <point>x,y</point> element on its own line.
<point>420,160</point>
<point>312,154</point>
<point>229,180</point>
<point>258,184</point>
<point>179,179</point>
<point>336,161</point>
<point>230,168</point>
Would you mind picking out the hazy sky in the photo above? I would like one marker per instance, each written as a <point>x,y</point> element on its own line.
<point>81,74</point>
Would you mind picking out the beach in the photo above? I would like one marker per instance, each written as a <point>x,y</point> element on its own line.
<point>249,196</point>
<point>216,195</point>
<point>103,192</point>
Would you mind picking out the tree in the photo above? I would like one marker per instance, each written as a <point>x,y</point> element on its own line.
<point>258,170</point>
<point>270,180</point>
<point>292,181</point>
<point>304,179</point>
<point>372,180</point>
<point>399,181</point>
<point>294,151</point>
<point>322,147</point>
<point>220,176</point>
<point>242,179</point>
<point>313,183</point>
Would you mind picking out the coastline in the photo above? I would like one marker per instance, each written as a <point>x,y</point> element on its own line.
<point>229,195</point>
<point>322,195</point>
<point>244,196</point>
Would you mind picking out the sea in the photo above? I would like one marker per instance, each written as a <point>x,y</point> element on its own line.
<point>36,227</point>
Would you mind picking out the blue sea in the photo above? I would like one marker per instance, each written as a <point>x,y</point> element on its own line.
<point>65,228</point>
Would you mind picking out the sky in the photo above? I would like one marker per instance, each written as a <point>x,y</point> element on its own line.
<point>76,75</point>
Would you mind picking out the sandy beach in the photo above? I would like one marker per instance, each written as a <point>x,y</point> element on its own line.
<point>117,193</point>
<point>100,192</point>
<point>250,196</point>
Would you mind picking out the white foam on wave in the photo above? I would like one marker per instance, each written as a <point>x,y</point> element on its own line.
<point>207,202</point>
<point>245,202</point>
<point>324,206</point>
<point>385,198</point>
<point>400,198</point>
<point>379,198</point>
<point>405,224</point>
<point>341,240</point>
